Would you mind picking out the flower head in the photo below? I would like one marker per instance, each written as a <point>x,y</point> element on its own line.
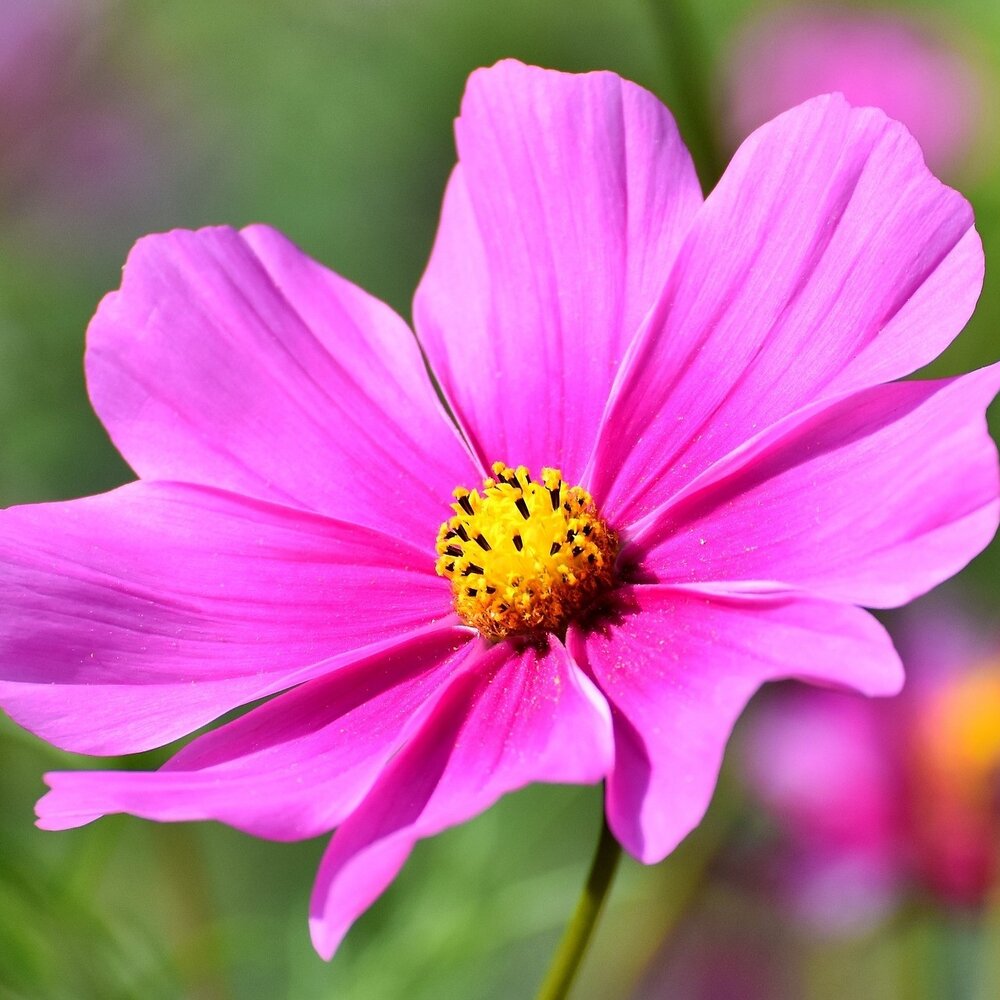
<point>547,557</point>
<point>737,472</point>
<point>881,59</point>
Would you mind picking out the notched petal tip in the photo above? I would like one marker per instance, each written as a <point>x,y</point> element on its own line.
<point>60,807</point>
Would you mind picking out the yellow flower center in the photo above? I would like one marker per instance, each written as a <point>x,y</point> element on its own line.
<point>525,556</point>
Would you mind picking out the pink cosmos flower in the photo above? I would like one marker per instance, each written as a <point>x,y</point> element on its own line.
<point>712,377</point>
<point>881,797</point>
<point>879,59</point>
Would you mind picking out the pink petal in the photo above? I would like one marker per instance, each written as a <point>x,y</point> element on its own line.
<point>232,359</point>
<point>872,499</point>
<point>514,719</point>
<point>294,767</point>
<point>137,616</point>
<point>827,259</point>
<point>559,227</point>
<point>678,668</point>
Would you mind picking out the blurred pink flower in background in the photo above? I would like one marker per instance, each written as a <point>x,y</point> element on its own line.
<point>38,39</point>
<point>83,146</point>
<point>885,60</point>
<point>877,798</point>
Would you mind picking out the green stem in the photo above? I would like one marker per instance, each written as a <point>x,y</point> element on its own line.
<point>989,956</point>
<point>572,948</point>
<point>959,942</point>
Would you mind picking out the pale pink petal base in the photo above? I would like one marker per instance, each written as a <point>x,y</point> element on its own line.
<point>678,667</point>
<point>512,719</point>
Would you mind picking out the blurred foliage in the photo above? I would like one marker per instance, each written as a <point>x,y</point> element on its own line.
<point>331,119</point>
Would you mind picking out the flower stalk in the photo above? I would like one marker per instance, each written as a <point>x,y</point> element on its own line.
<point>576,938</point>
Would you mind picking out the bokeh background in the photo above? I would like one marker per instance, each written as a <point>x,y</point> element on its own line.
<point>331,119</point>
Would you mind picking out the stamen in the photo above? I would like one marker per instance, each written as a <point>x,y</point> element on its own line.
<point>543,554</point>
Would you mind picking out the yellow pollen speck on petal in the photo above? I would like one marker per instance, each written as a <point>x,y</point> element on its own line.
<point>525,556</point>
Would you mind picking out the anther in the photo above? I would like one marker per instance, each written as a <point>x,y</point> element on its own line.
<point>550,558</point>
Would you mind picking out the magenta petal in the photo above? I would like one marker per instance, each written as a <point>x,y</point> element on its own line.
<point>679,667</point>
<point>232,359</point>
<point>873,499</point>
<point>294,767</point>
<point>559,227</point>
<point>512,719</point>
<point>827,259</point>
<point>134,617</point>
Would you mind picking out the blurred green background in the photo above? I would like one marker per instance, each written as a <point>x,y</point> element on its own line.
<point>331,120</point>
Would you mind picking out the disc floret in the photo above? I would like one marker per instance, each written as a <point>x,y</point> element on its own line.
<point>525,556</point>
